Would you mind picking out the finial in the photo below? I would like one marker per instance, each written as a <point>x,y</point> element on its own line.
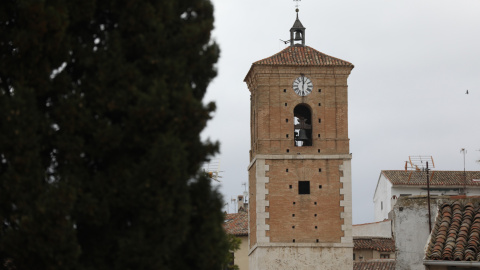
<point>297,32</point>
<point>296,5</point>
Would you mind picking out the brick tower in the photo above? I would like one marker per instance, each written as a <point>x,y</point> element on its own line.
<point>300,187</point>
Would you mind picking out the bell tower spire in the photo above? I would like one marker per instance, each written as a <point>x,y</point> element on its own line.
<point>297,33</point>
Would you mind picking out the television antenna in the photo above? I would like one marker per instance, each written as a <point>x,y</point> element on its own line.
<point>245,192</point>
<point>233,201</point>
<point>420,163</point>
<point>212,169</point>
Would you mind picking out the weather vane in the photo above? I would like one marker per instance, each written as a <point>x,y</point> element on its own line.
<point>296,5</point>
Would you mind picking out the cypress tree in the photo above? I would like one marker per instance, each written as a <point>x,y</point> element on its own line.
<point>100,115</point>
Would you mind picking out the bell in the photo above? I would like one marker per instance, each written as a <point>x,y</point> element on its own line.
<point>298,36</point>
<point>302,135</point>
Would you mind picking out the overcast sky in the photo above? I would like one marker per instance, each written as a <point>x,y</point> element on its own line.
<point>414,60</point>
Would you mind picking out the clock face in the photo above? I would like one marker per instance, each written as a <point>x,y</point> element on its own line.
<point>302,86</point>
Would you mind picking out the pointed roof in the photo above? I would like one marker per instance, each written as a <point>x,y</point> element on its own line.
<point>302,56</point>
<point>298,24</point>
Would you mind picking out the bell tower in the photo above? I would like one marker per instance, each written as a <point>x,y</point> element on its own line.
<point>300,182</point>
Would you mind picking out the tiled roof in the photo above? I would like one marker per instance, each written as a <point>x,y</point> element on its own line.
<point>382,264</point>
<point>456,233</point>
<point>236,224</point>
<point>378,244</point>
<point>437,178</point>
<point>302,56</point>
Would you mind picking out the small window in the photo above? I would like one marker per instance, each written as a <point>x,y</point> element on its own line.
<point>286,120</point>
<point>381,205</point>
<point>303,187</point>
<point>319,90</point>
<point>384,256</point>
<point>287,136</point>
<point>290,186</point>
<point>284,90</point>
<point>286,170</point>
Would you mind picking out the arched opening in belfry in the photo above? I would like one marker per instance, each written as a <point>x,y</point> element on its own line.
<point>302,125</point>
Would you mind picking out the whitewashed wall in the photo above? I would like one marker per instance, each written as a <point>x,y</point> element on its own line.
<point>376,229</point>
<point>381,199</point>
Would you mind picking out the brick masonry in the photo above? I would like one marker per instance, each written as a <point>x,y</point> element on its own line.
<point>280,217</point>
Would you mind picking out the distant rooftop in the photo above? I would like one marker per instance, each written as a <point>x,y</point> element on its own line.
<point>381,264</point>
<point>374,243</point>
<point>236,224</point>
<point>437,178</point>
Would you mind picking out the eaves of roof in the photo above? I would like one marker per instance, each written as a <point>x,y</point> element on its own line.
<point>400,178</point>
<point>300,56</point>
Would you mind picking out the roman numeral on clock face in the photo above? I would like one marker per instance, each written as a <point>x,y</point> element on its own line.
<point>302,86</point>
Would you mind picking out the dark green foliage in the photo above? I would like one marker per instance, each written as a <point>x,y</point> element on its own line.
<point>100,114</point>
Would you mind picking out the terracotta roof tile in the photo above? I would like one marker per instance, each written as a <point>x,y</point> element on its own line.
<point>378,244</point>
<point>382,264</point>
<point>456,233</point>
<point>236,224</point>
<point>437,178</point>
<point>302,56</point>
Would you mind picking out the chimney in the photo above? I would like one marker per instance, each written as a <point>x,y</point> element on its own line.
<point>241,203</point>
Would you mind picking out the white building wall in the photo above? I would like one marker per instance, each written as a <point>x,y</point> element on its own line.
<point>434,191</point>
<point>386,195</point>
<point>302,257</point>
<point>411,231</point>
<point>376,229</point>
<point>381,199</point>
